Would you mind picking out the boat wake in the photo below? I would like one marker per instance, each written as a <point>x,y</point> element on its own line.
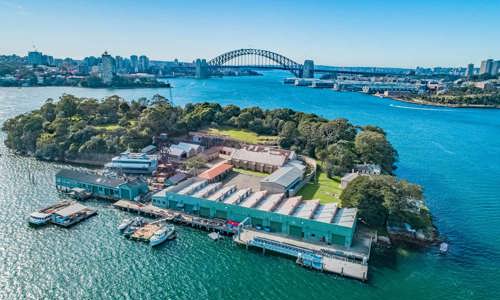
<point>419,108</point>
<point>441,147</point>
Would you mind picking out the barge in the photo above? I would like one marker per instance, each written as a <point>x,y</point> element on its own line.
<point>65,214</point>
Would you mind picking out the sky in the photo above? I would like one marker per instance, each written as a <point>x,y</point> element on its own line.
<point>339,33</point>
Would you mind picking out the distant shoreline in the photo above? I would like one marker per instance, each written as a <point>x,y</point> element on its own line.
<point>429,103</point>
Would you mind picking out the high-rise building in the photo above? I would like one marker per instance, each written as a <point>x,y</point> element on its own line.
<point>134,64</point>
<point>486,66</point>
<point>495,67</point>
<point>143,63</point>
<point>107,68</point>
<point>35,58</point>
<point>469,72</point>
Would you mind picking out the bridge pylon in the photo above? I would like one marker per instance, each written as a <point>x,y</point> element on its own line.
<point>308,69</point>
<point>202,70</point>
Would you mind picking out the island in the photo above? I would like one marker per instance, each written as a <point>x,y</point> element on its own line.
<point>355,163</point>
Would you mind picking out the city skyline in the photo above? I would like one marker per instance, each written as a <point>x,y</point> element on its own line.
<point>340,34</point>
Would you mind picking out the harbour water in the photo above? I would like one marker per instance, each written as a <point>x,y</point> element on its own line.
<point>453,153</point>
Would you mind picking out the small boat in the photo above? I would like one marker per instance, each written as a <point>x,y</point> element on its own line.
<point>39,218</point>
<point>443,248</point>
<point>214,236</point>
<point>166,232</point>
<point>133,226</point>
<point>124,224</point>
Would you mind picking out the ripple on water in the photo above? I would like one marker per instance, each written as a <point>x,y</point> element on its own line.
<point>453,155</point>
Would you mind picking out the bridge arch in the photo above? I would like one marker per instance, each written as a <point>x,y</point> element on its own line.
<point>284,62</point>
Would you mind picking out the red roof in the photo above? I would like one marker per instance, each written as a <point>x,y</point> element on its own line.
<point>215,171</point>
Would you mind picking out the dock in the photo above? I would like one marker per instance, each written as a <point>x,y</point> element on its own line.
<point>176,217</point>
<point>72,214</point>
<point>317,256</point>
<point>65,213</point>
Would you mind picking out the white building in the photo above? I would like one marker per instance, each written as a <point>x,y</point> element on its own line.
<point>134,163</point>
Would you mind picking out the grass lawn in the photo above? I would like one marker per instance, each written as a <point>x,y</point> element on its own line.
<point>248,172</point>
<point>325,189</point>
<point>243,135</point>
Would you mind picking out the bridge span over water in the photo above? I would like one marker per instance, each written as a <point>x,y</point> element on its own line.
<point>250,58</point>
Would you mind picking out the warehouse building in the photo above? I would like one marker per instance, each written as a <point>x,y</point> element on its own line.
<point>308,220</point>
<point>101,186</point>
<point>284,180</point>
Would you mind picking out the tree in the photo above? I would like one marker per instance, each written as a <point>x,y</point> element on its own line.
<point>194,163</point>
<point>365,194</point>
<point>340,158</point>
<point>373,147</point>
<point>336,130</point>
<point>67,105</point>
<point>380,197</point>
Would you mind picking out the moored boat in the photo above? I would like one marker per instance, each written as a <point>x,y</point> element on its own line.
<point>124,224</point>
<point>39,218</point>
<point>166,232</point>
<point>136,223</point>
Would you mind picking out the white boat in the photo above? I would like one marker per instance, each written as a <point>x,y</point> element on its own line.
<point>443,248</point>
<point>39,218</point>
<point>166,232</point>
<point>136,223</point>
<point>124,224</point>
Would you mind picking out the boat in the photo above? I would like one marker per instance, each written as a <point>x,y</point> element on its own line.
<point>44,215</point>
<point>214,236</point>
<point>166,232</point>
<point>124,224</point>
<point>136,223</point>
<point>443,248</point>
<point>39,218</point>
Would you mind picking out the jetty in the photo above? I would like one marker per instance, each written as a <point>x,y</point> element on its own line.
<point>176,217</point>
<point>316,256</point>
<point>65,214</point>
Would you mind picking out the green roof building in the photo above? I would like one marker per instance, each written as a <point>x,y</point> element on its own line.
<point>294,217</point>
<point>101,186</point>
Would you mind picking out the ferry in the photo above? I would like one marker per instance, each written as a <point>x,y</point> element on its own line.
<point>133,226</point>
<point>166,232</point>
<point>44,215</point>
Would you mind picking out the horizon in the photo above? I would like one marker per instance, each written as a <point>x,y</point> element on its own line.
<point>332,34</point>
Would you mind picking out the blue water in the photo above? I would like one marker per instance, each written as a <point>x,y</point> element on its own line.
<point>453,153</point>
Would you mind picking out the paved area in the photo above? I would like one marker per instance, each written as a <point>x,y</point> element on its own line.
<point>243,181</point>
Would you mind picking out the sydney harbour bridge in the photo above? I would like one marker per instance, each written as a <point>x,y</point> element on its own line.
<point>262,59</point>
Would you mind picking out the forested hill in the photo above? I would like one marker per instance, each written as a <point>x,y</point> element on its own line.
<point>72,126</point>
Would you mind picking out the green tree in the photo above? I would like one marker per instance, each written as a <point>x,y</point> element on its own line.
<point>373,147</point>
<point>194,163</point>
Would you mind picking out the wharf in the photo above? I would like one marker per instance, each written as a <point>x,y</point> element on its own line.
<point>175,216</point>
<point>72,214</point>
<point>350,264</point>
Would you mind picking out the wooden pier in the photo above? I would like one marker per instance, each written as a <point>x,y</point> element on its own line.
<point>175,217</point>
<point>326,256</point>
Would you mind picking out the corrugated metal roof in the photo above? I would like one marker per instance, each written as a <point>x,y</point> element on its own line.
<point>284,176</point>
<point>70,210</point>
<point>259,157</point>
<point>345,217</point>
<point>89,178</point>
